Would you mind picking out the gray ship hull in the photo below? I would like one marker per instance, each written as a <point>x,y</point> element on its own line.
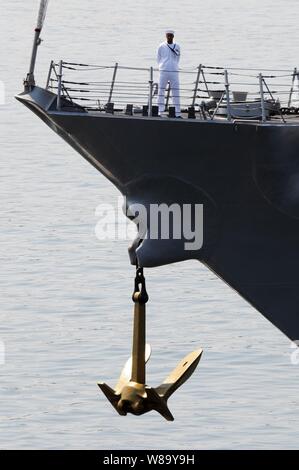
<point>246,175</point>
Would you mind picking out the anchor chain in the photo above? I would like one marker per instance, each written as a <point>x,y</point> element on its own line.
<point>140,294</point>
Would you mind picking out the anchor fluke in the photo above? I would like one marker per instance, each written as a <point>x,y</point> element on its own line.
<point>131,394</point>
<point>110,394</point>
<point>180,374</point>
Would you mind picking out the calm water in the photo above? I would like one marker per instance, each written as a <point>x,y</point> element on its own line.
<point>65,296</point>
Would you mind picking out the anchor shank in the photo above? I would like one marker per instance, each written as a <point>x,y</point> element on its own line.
<point>139,333</point>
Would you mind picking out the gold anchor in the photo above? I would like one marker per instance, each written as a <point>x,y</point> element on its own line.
<point>131,394</point>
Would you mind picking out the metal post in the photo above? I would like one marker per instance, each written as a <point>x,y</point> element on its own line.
<point>49,75</point>
<point>295,74</point>
<point>218,106</point>
<point>113,82</point>
<point>30,81</point>
<point>196,85</point>
<point>261,81</point>
<point>229,117</point>
<point>59,91</point>
<point>150,98</point>
<point>273,100</point>
<point>205,82</point>
<point>36,42</point>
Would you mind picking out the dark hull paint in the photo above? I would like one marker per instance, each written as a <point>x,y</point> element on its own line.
<point>245,174</point>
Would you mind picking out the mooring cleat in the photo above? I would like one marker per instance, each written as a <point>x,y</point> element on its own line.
<point>131,394</point>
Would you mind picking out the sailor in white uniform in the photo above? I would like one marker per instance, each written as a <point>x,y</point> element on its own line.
<point>168,58</point>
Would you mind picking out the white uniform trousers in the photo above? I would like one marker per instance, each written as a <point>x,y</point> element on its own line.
<point>173,79</point>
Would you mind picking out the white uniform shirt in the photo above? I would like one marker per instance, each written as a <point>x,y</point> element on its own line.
<point>169,57</point>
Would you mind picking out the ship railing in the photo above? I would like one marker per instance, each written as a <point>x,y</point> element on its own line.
<point>206,92</point>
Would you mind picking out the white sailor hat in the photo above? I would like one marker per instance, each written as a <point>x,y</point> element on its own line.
<point>169,31</point>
